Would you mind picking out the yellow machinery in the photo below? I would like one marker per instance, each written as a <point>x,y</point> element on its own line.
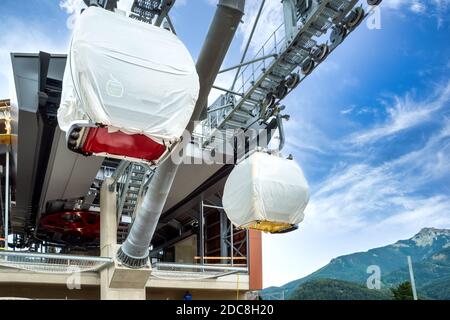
<point>6,135</point>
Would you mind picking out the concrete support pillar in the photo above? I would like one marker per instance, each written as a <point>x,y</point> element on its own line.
<point>108,218</point>
<point>117,283</point>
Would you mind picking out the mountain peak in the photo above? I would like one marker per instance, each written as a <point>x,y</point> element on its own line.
<point>426,236</point>
<point>435,230</point>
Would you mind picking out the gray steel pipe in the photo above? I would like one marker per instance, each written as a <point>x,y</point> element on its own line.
<point>136,248</point>
<point>220,35</point>
<point>135,251</point>
<point>281,131</point>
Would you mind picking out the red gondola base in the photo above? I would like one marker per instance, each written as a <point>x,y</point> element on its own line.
<point>79,224</point>
<point>138,146</point>
<point>90,140</point>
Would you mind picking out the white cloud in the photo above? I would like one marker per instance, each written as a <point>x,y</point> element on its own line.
<point>316,141</point>
<point>418,7</point>
<point>271,18</point>
<point>437,9</point>
<point>362,195</point>
<point>405,114</point>
<point>73,9</point>
<point>71,6</point>
<point>75,6</point>
<point>403,174</point>
<point>223,80</point>
<point>417,213</point>
<point>348,110</point>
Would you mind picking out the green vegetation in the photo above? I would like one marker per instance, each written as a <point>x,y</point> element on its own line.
<point>327,289</point>
<point>403,291</point>
<point>429,270</point>
<point>438,290</point>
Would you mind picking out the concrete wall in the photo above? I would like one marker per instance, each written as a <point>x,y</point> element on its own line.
<point>24,284</point>
<point>186,250</point>
<point>48,292</point>
<point>55,292</point>
<point>159,294</point>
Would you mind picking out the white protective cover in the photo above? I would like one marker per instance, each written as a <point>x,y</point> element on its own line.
<point>128,75</point>
<point>265,187</point>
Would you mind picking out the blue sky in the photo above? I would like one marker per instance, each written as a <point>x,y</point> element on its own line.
<point>370,127</point>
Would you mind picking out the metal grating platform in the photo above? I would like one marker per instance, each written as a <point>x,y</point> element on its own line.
<point>173,271</point>
<point>52,263</point>
<point>145,10</point>
<point>151,11</point>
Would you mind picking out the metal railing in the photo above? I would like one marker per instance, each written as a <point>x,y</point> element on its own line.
<point>263,84</point>
<point>175,271</point>
<point>274,45</point>
<point>247,78</point>
<point>52,263</point>
<point>130,181</point>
